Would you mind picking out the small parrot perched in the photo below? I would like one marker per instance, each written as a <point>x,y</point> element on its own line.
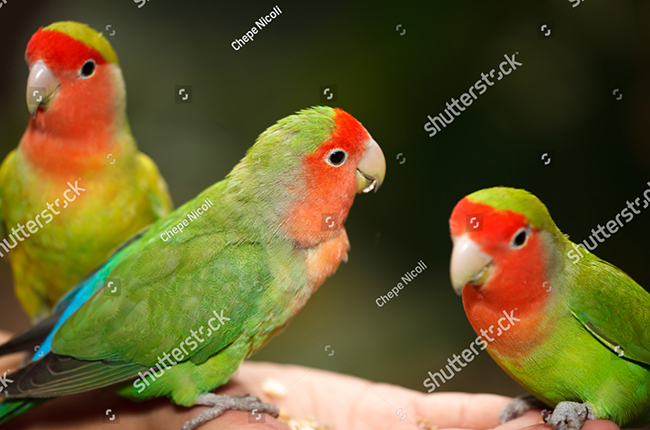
<point>76,186</point>
<point>176,309</point>
<point>573,332</point>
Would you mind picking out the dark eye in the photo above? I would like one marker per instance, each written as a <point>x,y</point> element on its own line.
<point>87,69</point>
<point>336,157</point>
<point>520,238</point>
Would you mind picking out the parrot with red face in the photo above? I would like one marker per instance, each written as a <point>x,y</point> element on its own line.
<point>176,309</point>
<point>76,186</point>
<point>579,338</point>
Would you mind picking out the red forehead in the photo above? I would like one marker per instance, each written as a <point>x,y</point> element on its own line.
<point>348,132</point>
<point>59,51</point>
<point>484,221</point>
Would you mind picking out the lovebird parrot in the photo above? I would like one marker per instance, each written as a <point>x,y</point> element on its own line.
<point>572,331</point>
<point>176,309</point>
<point>76,186</point>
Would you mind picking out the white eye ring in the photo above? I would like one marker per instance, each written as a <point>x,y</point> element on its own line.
<point>336,157</point>
<point>520,238</point>
<point>88,69</point>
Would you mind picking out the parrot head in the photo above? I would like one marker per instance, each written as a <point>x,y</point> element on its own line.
<point>307,169</point>
<point>504,243</point>
<point>75,88</point>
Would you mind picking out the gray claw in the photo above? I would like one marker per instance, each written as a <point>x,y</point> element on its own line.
<point>569,416</point>
<point>518,406</point>
<point>220,403</point>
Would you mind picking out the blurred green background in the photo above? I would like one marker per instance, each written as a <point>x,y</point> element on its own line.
<point>559,101</point>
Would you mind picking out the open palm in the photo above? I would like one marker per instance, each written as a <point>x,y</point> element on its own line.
<point>336,401</point>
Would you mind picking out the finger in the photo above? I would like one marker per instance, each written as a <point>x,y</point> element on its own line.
<point>338,400</point>
<point>600,425</point>
<point>95,409</point>
<point>236,420</point>
<point>104,406</point>
<point>10,362</point>
<point>4,336</point>
<point>532,420</point>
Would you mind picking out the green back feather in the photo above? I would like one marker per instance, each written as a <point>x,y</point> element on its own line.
<point>228,259</point>
<point>595,342</point>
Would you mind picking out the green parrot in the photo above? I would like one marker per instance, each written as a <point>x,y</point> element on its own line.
<point>569,327</point>
<point>177,308</point>
<point>76,186</point>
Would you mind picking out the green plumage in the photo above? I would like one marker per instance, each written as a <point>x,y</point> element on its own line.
<point>597,314</point>
<point>217,263</point>
<point>12,408</point>
<point>117,189</point>
<point>230,265</point>
<point>593,344</point>
<point>41,264</point>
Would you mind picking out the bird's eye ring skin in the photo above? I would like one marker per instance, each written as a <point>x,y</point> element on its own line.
<point>88,69</point>
<point>336,157</point>
<point>520,238</point>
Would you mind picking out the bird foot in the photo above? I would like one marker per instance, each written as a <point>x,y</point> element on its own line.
<point>221,403</point>
<point>569,416</point>
<point>518,406</point>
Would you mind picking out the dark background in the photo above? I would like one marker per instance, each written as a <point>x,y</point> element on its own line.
<point>560,101</point>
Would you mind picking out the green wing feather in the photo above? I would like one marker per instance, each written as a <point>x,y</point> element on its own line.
<point>232,261</point>
<point>168,290</point>
<point>614,309</point>
<point>10,409</point>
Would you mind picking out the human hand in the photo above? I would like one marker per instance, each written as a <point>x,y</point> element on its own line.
<point>339,401</point>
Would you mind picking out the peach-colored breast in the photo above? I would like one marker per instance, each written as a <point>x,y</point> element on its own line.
<point>323,259</point>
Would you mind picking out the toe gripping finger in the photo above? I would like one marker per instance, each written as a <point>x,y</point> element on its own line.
<point>519,405</point>
<point>569,416</point>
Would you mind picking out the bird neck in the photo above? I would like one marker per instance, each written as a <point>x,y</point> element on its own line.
<point>61,147</point>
